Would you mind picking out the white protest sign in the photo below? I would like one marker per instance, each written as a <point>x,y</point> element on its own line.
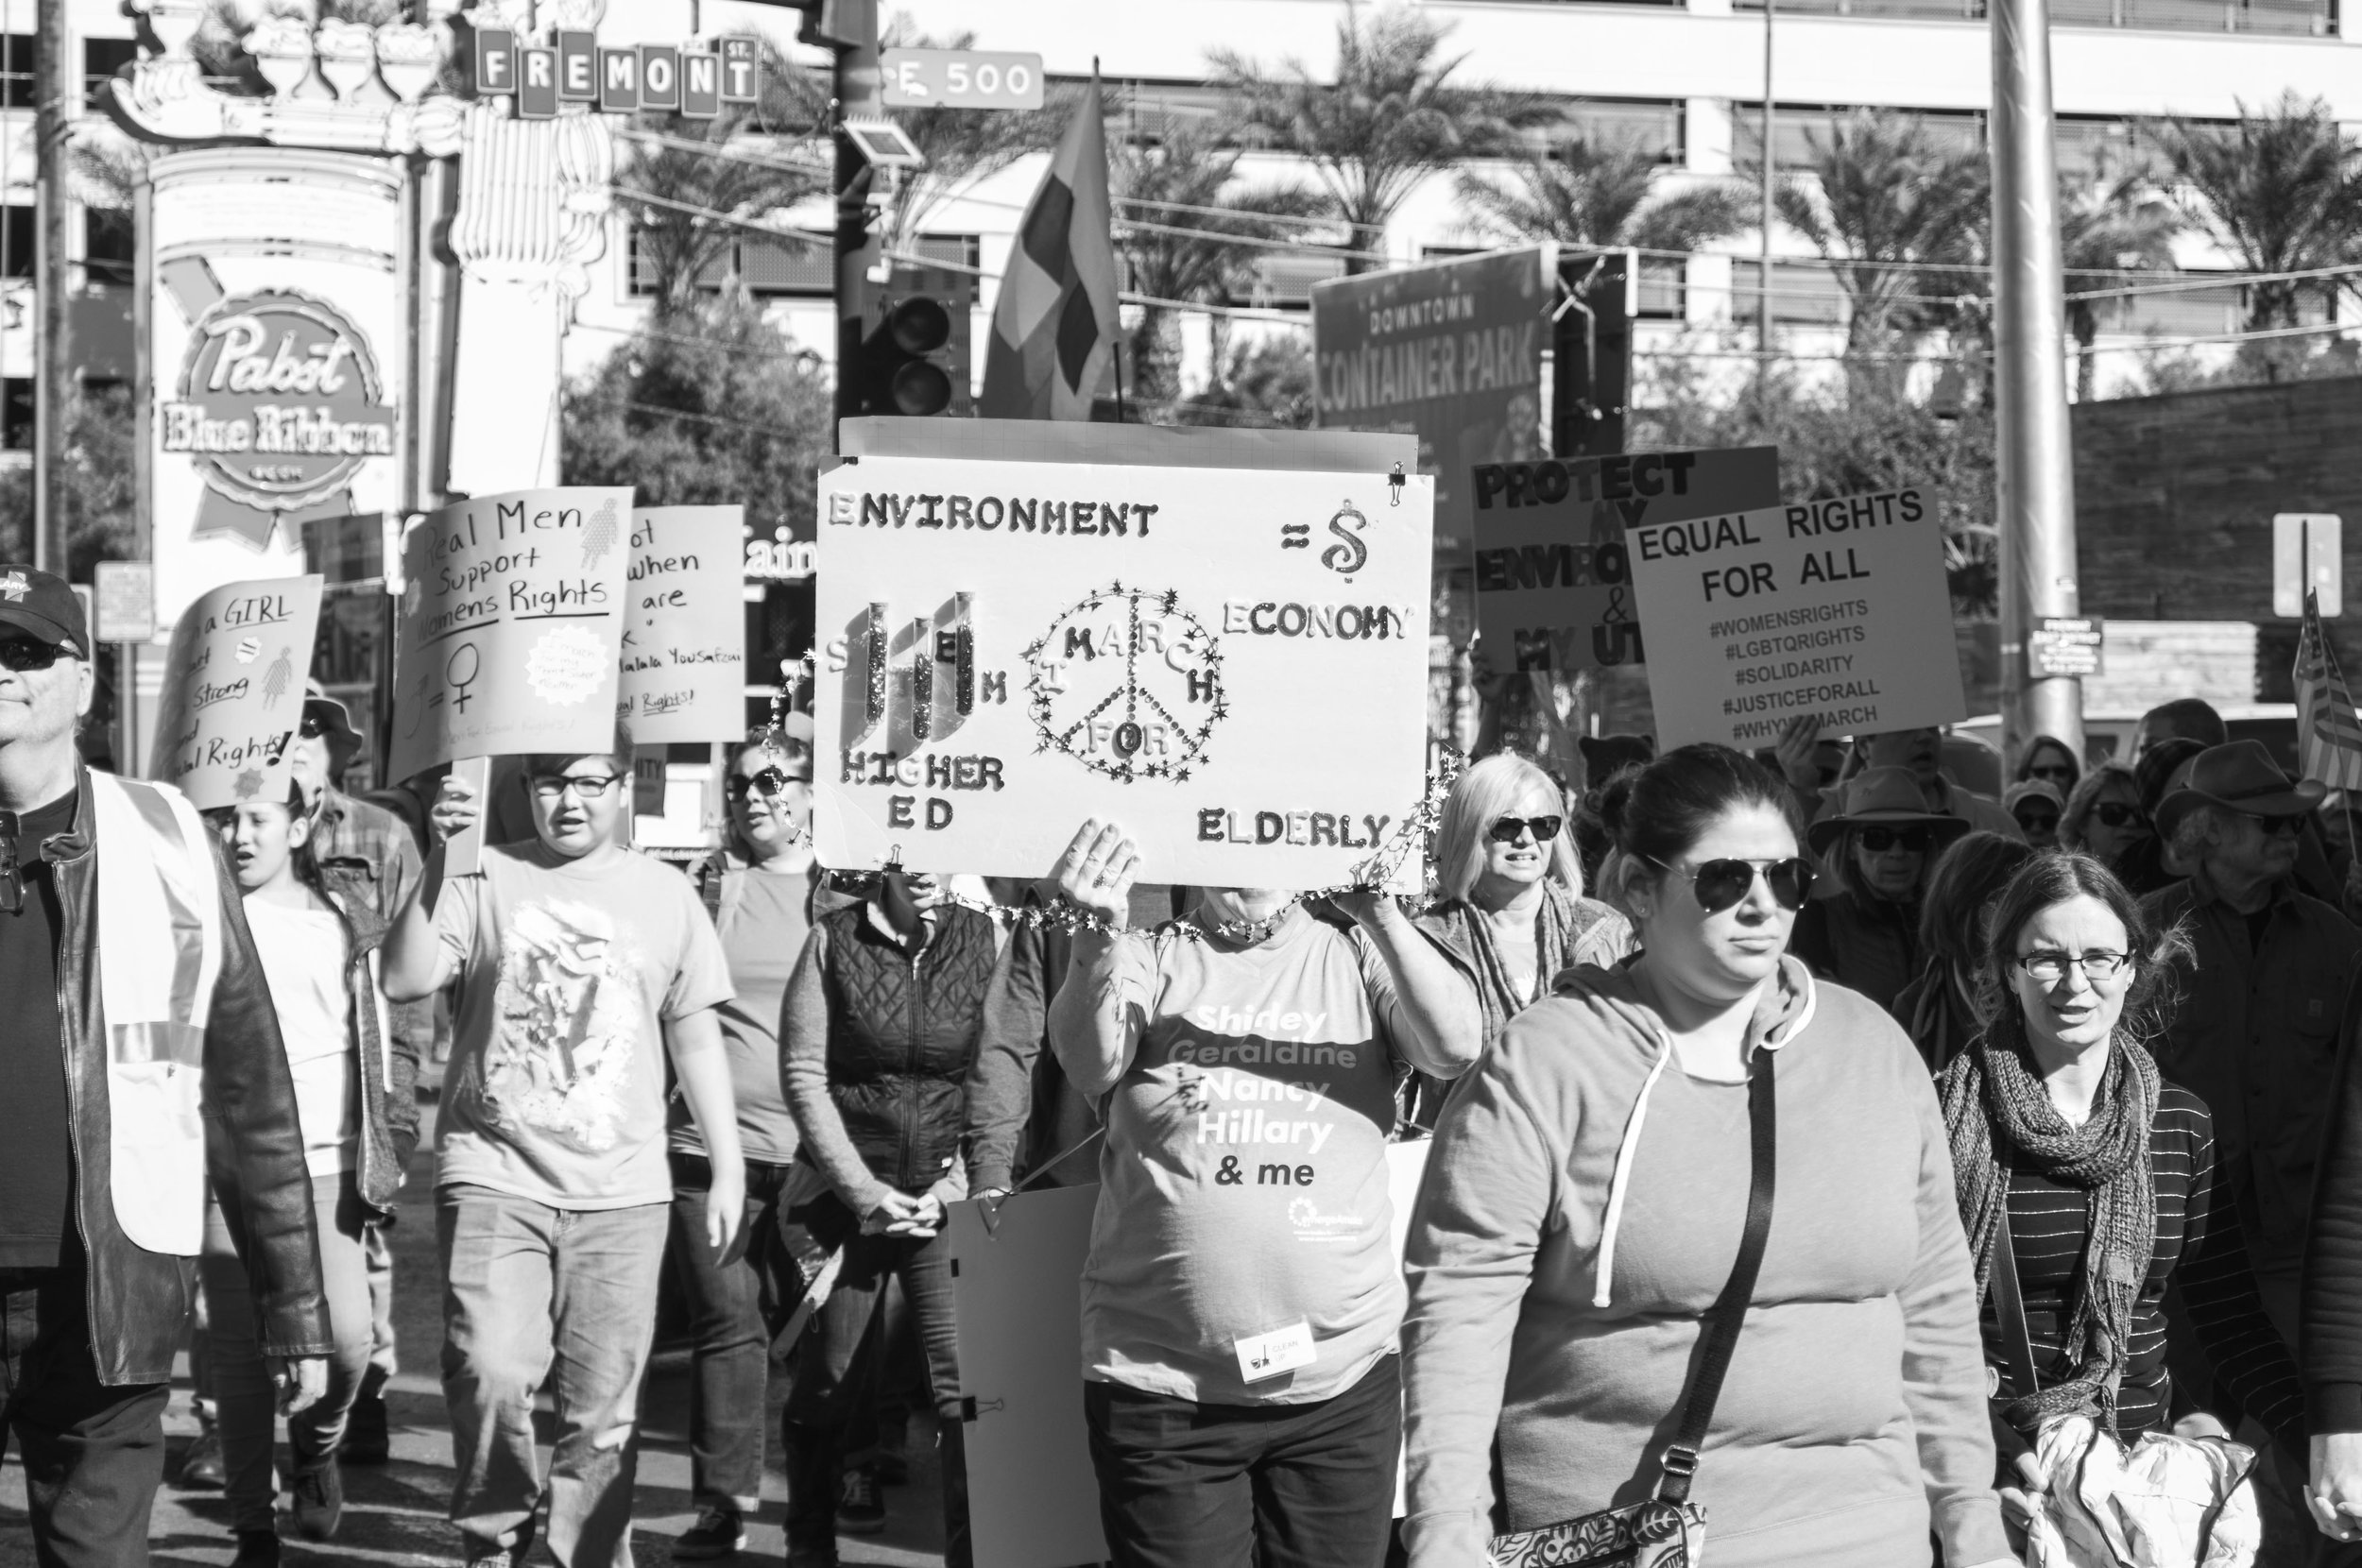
<point>1552,587</point>
<point>233,690</point>
<point>1836,608</point>
<point>684,643</point>
<point>511,616</point>
<point>1230,664</point>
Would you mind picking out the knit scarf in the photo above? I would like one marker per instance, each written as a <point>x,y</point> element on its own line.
<point>1555,930</point>
<point>1999,1119</point>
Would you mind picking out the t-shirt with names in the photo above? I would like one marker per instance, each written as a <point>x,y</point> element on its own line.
<point>1245,1183</point>
<point>555,1090</point>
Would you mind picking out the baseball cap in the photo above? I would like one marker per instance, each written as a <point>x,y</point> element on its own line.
<point>43,603</point>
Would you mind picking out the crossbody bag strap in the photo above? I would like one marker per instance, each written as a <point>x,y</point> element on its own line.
<point>1729,1312</point>
<point>2009,1303</point>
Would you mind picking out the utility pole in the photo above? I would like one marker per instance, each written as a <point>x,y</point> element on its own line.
<point>852,29</point>
<point>2036,488</point>
<point>53,385</point>
<point>1763,300</point>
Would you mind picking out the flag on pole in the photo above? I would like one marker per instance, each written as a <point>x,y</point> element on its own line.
<point>1054,329</point>
<point>2329,736</point>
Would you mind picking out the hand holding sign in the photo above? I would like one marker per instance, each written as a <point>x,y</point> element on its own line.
<point>1096,870</point>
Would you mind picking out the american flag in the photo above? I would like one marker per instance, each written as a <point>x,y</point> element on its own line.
<point>2329,736</point>
<point>1053,330</point>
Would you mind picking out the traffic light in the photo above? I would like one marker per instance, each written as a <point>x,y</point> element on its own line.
<point>836,23</point>
<point>1591,352</point>
<point>898,373</point>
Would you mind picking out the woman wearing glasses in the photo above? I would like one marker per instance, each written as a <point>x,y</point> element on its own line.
<point>2046,759</point>
<point>1881,846</point>
<point>2069,1149</point>
<point>1588,1193</point>
<point>1511,904</point>
<point>2103,816</point>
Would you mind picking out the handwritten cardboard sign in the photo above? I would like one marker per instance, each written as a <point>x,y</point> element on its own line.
<point>510,621</point>
<point>233,690</point>
<point>1554,588</point>
<point>1837,609</point>
<point>1231,664</point>
<point>684,644</point>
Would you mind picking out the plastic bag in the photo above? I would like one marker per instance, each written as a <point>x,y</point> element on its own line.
<point>2168,1502</point>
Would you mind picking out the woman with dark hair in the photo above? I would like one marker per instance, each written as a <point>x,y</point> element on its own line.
<point>2068,1147</point>
<point>1591,1184</point>
<point>2147,865</point>
<point>2047,758</point>
<point>1880,845</point>
<point>2104,818</point>
<point>1939,1009</point>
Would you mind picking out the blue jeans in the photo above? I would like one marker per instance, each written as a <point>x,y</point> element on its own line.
<point>526,1285</point>
<point>730,1309</point>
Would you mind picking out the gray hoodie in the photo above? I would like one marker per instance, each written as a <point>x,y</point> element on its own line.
<point>1582,1208</point>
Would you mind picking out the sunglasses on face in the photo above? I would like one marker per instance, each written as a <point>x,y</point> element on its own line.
<point>1506,829</point>
<point>1720,885</point>
<point>311,728</point>
<point>22,654</point>
<point>550,786</point>
<point>767,783</point>
<point>1914,841</point>
<point>2275,827</point>
<point>2038,822</point>
<point>2115,814</point>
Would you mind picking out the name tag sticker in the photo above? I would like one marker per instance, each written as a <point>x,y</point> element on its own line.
<point>1283,1349</point>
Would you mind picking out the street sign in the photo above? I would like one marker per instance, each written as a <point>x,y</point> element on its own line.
<point>125,592</point>
<point>2065,645</point>
<point>2305,555</point>
<point>961,79</point>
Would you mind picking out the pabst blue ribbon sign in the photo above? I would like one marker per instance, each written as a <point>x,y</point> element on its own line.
<point>279,404</point>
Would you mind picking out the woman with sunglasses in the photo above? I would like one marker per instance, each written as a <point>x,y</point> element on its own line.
<point>2046,758</point>
<point>1511,905</point>
<point>1880,847</point>
<point>2070,1149</point>
<point>2103,817</point>
<point>1939,1009</point>
<point>1586,1195</point>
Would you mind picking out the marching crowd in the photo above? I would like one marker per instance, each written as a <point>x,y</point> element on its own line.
<point>1813,1147</point>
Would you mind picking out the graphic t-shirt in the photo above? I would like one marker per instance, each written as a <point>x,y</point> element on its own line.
<point>1244,1176</point>
<point>304,955</point>
<point>555,1090</point>
<point>764,938</point>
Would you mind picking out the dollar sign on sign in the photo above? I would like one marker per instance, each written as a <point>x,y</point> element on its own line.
<point>1346,556</point>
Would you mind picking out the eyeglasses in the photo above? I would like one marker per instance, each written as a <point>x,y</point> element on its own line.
<point>2275,827</point>
<point>2038,822</point>
<point>549,786</point>
<point>2117,814</point>
<point>1721,884</point>
<point>769,782</point>
<point>1913,840</point>
<point>1506,829</point>
<point>2099,965</point>
<point>23,653</point>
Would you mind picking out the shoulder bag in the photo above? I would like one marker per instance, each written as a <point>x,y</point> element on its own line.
<point>1670,1530</point>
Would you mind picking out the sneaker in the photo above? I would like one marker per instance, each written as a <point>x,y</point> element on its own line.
<point>201,1465</point>
<point>366,1435</point>
<point>257,1549</point>
<point>861,1507</point>
<point>720,1531</point>
<point>319,1501</point>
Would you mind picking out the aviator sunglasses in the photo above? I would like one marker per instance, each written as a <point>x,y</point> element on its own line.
<point>1505,829</point>
<point>2117,814</point>
<point>1721,884</point>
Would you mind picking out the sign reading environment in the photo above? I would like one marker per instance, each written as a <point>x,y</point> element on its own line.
<point>512,615</point>
<point>1230,664</point>
<point>1553,582</point>
<point>1834,608</point>
<point>233,690</point>
<point>684,638</point>
<point>1452,351</point>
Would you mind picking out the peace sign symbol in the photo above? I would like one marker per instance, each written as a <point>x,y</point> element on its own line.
<point>1127,682</point>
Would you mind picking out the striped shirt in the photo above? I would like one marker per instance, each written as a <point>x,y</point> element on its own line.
<point>2199,1248</point>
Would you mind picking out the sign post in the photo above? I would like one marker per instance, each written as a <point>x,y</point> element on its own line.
<point>122,608</point>
<point>2306,554</point>
<point>2066,645</point>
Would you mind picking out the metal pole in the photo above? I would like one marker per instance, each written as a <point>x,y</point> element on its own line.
<point>53,385</point>
<point>1763,300</point>
<point>2036,488</point>
<point>859,93</point>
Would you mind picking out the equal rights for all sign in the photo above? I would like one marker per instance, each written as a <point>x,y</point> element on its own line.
<point>1834,608</point>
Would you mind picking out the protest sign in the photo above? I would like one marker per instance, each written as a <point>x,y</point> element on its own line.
<point>1230,664</point>
<point>1835,608</point>
<point>511,620</point>
<point>684,638</point>
<point>1553,591</point>
<point>1452,351</point>
<point>233,690</point>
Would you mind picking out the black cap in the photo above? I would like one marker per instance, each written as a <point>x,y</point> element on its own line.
<point>43,605</point>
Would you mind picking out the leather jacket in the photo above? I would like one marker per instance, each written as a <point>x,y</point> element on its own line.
<point>138,1302</point>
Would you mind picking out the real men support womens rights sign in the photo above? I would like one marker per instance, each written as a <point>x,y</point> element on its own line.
<point>1835,608</point>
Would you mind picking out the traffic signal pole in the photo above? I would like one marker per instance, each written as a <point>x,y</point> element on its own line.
<point>859,94</point>
<point>2033,447</point>
<point>53,355</point>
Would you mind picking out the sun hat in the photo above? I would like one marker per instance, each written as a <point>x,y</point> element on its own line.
<point>2241,777</point>
<point>1882,798</point>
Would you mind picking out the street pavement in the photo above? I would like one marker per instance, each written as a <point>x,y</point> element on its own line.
<point>394,1513</point>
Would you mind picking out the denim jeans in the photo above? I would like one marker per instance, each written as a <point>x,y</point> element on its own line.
<point>245,1404</point>
<point>837,1372</point>
<point>93,1455</point>
<point>526,1285</point>
<point>731,1307</point>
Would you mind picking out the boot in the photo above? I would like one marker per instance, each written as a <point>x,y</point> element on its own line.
<point>812,1483</point>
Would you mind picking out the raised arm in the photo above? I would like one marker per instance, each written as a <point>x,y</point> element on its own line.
<point>1096,1020</point>
<point>420,957</point>
<point>1437,1021</point>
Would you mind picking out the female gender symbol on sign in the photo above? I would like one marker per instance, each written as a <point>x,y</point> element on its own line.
<point>1128,683</point>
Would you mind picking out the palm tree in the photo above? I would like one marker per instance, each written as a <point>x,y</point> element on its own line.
<point>1393,116</point>
<point>2109,229</point>
<point>1585,191</point>
<point>1886,202</point>
<point>2281,190</point>
<point>1185,235</point>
